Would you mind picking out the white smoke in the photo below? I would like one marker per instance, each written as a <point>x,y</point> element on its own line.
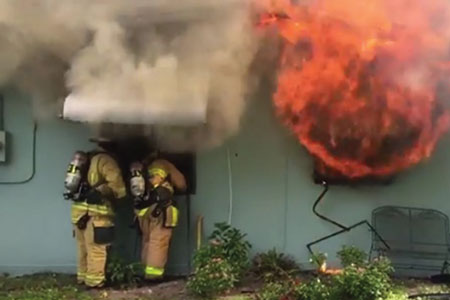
<point>160,52</point>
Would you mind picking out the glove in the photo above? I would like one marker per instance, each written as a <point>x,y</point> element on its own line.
<point>140,203</point>
<point>162,196</point>
<point>93,196</point>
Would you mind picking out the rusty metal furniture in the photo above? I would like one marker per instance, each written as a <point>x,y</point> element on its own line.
<point>418,238</point>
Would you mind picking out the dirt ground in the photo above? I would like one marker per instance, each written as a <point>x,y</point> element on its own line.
<point>60,286</point>
<point>175,289</point>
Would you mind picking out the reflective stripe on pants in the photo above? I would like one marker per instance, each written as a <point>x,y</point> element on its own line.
<point>81,276</point>
<point>95,280</point>
<point>152,272</point>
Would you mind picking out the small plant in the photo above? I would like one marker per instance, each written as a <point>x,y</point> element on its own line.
<point>382,264</point>
<point>273,266</point>
<point>121,274</point>
<point>221,263</point>
<point>212,279</point>
<point>294,290</point>
<point>350,255</point>
<point>320,260</point>
<point>273,291</point>
<point>234,246</point>
<point>369,283</point>
<point>313,290</point>
<point>69,292</point>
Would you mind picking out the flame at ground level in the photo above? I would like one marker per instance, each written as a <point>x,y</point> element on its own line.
<point>362,85</point>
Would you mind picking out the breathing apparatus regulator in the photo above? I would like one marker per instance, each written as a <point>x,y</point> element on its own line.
<point>75,181</point>
<point>137,181</point>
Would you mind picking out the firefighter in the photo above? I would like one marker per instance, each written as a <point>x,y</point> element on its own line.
<point>94,181</point>
<point>152,185</point>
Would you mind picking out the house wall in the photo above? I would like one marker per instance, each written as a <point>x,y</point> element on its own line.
<point>267,172</point>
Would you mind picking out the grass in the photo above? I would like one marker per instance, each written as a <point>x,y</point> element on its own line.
<point>41,287</point>
<point>63,287</point>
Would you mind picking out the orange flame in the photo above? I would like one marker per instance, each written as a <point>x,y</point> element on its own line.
<point>359,80</point>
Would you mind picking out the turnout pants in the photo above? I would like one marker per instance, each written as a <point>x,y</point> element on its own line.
<point>155,245</point>
<point>92,245</point>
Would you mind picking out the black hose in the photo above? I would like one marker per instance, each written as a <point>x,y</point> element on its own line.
<point>343,228</point>
<point>325,184</point>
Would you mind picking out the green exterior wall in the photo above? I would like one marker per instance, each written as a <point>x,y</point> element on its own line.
<point>272,192</point>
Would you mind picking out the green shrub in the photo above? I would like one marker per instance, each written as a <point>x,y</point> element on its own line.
<point>273,291</point>
<point>292,290</point>
<point>273,266</point>
<point>205,254</point>
<point>212,278</point>
<point>369,283</point>
<point>350,255</point>
<point>221,263</point>
<point>121,274</point>
<point>233,246</point>
<point>313,290</point>
<point>382,264</point>
<point>69,292</point>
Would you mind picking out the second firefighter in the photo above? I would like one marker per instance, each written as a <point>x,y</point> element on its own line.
<point>152,185</point>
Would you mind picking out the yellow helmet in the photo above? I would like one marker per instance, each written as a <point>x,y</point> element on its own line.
<point>153,171</point>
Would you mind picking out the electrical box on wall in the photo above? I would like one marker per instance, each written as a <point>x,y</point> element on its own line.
<point>2,146</point>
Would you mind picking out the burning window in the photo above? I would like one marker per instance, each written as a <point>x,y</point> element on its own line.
<point>323,174</point>
<point>360,82</point>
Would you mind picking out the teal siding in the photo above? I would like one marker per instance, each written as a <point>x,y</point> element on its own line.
<point>35,234</point>
<point>272,192</point>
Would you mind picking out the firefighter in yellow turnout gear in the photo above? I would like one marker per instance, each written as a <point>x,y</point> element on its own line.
<point>156,211</point>
<point>93,216</point>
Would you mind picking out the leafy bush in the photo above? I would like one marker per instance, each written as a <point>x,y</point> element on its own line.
<point>212,279</point>
<point>273,266</point>
<point>313,290</point>
<point>369,283</point>
<point>206,253</point>
<point>233,246</point>
<point>221,263</point>
<point>293,290</point>
<point>382,264</point>
<point>350,255</point>
<point>121,274</point>
<point>273,291</point>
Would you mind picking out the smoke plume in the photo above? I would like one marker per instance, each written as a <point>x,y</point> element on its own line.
<point>155,52</point>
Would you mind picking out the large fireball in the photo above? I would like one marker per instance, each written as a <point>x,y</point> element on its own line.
<point>363,84</point>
